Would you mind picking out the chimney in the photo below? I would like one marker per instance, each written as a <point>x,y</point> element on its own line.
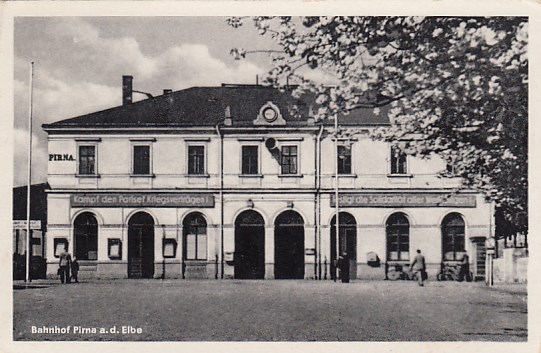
<point>167,91</point>
<point>127,89</point>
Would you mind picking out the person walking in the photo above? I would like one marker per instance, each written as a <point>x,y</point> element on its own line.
<point>75,270</point>
<point>64,269</point>
<point>418,266</point>
<point>465,268</point>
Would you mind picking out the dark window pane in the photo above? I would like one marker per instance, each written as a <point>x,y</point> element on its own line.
<point>289,159</point>
<point>344,160</point>
<point>453,237</point>
<point>141,160</point>
<point>87,160</point>
<point>196,160</point>
<point>250,160</point>
<point>398,237</point>
<point>398,162</point>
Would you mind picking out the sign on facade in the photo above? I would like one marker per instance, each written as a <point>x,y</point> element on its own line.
<point>404,200</point>
<point>23,224</point>
<point>142,200</point>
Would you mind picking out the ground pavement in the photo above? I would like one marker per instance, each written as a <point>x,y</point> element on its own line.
<point>232,310</point>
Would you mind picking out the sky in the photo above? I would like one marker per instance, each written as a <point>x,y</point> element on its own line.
<point>79,63</point>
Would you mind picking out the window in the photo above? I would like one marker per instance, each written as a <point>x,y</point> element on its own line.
<point>86,236</point>
<point>195,237</point>
<point>398,242</point>
<point>344,159</point>
<point>398,162</point>
<point>141,160</point>
<point>87,160</point>
<point>250,156</point>
<point>289,159</point>
<point>452,230</point>
<point>196,160</point>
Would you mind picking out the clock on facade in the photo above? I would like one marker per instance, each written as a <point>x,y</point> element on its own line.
<point>270,114</point>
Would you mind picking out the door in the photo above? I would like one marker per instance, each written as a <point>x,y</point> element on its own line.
<point>249,246</point>
<point>141,246</point>
<point>347,243</point>
<point>289,246</point>
<point>479,270</point>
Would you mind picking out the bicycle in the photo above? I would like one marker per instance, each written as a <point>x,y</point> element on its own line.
<point>453,272</point>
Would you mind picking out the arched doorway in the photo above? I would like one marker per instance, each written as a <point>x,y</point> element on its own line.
<point>398,237</point>
<point>453,237</point>
<point>249,246</point>
<point>347,242</point>
<point>141,246</point>
<point>85,231</point>
<point>289,246</point>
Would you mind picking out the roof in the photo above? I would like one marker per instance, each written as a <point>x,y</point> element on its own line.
<point>205,106</point>
<point>38,202</point>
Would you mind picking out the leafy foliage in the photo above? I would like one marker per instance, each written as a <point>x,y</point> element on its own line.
<point>457,88</point>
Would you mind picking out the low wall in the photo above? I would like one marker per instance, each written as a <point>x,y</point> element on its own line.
<point>512,267</point>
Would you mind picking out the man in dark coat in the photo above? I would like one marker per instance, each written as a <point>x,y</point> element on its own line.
<point>465,268</point>
<point>418,266</point>
<point>75,270</point>
<point>343,266</point>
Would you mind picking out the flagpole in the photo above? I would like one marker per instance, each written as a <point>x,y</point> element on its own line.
<point>336,203</point>
<point>28,238</point>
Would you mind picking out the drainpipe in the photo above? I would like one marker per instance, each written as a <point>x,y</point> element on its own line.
<point>221,201</point>
<point>318,201</point>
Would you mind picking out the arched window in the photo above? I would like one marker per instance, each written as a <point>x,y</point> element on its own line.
<point>195,237</point>
<point>453,235</point>
<point>398,237</point>
<point>85,229</point>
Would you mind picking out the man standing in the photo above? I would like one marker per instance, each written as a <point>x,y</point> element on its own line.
<point>64,269</point>
<point>418,266</point>
<point>343,266</point>
<point>465,269</point>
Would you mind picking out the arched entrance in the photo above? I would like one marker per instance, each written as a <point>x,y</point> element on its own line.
<point>85,231</point>
<point>249,246</point>
<point>289,246</point>
<point>141,246</point>
<point>347,242</point>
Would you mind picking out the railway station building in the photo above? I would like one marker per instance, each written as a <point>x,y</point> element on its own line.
<point>231,182</point>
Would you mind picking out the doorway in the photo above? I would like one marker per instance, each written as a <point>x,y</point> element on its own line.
<point>249,246</point>
<point>289,246</point>
<point>347,243</point>
<point>141,246</point>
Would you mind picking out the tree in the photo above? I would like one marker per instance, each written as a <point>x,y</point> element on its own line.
<point>457,87</point>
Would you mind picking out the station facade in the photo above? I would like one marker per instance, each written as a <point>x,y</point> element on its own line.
<point>229,182</point>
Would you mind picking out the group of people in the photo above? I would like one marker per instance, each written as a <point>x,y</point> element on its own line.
<point>68,269</point>
<point>418,267</point>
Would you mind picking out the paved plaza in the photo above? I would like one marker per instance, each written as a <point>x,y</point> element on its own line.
<point>232,310</point>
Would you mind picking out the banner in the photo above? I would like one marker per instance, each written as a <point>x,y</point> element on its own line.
<point>142,200</point>
<point>404,200</point>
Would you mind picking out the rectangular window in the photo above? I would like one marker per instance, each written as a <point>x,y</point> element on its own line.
<point>398,162</point>
<point>289,159</point>
<point>87,160</point>
<point>196,160</point>
<point>250,160</point>
<point>141,160</point>
<point>344,159</point>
